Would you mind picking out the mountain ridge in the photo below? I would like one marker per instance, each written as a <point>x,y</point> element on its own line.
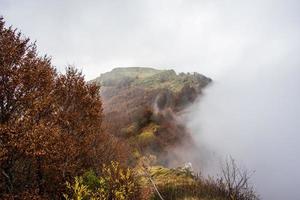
<point>141,106</point>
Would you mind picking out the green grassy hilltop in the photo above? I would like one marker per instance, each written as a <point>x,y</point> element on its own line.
<point>150,79</point>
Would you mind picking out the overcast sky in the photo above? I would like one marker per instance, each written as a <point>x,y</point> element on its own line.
<point>207,36</point>
<point>249,48</point>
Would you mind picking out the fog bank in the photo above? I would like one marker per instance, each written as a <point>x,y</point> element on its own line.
<point>252,110</point>
<point>253,114</point>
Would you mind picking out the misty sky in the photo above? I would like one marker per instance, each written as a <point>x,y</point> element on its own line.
<point>249,48</point>
<point>208,36</point>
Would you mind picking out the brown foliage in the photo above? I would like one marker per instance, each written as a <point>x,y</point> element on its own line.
<point>129,109</point>
<point>50,124</point>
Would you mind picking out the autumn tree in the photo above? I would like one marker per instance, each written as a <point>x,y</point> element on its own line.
<point>26,89</point>
<point>50,123</point>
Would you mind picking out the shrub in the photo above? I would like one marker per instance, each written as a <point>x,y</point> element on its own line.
<point>115,182</point>
<point>78,191</point>
<point>232,185</point>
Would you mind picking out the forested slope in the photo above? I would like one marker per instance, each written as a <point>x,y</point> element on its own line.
<point>141,105</point>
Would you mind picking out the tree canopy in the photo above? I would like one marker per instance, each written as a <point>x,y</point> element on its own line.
<point>50,123</point>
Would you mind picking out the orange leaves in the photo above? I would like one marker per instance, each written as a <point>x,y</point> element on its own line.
<point>50,124</point>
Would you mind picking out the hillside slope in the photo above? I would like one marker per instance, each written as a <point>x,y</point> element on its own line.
<point>141,106</point>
